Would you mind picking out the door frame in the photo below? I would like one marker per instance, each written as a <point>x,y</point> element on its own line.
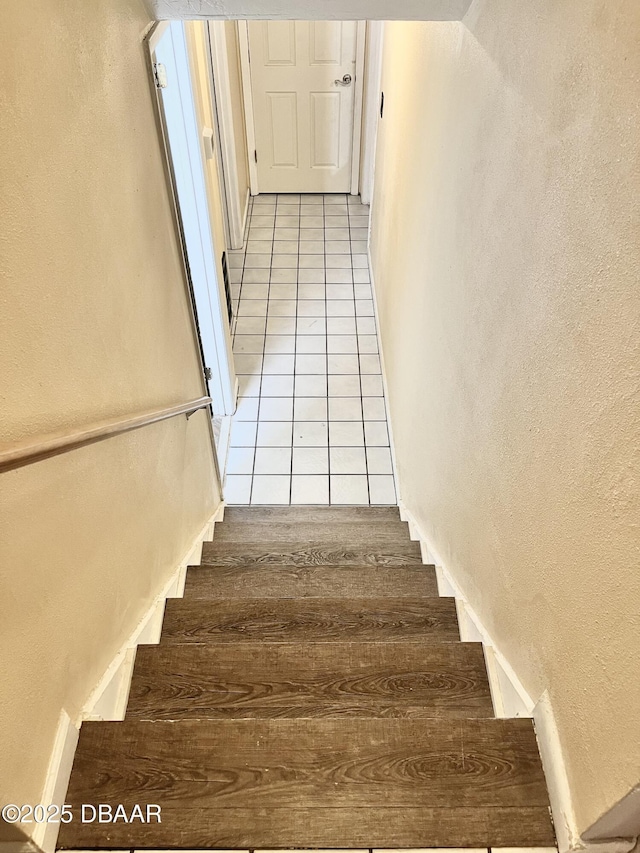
<point>247,104</point>
<point>223,109</point>
<point>223,383</point>
<point>371,107</point>
<point>245,70</point>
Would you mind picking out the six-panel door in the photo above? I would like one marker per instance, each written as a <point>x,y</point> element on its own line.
<point>303,117</point>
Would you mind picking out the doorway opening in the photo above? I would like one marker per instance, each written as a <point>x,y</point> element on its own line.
<point>288,150</point>
<point>190,149</point>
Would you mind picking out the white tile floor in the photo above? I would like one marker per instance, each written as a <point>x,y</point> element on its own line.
<point>311,425</point>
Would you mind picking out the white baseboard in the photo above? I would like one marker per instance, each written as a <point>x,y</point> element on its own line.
<point>560,797</point>
<point>217,518</point>
<point>56,783</point>
<point>556,775</point>
<point>108,700</point>
<point>45,835</point>
<point>245,215</point>
<point>510,699</point>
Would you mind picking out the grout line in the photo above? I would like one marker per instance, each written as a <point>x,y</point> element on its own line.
<point>364,435</point>
<point>253,459</point>
<point>237,316</point>
<point>264,345</point>
<point>326,348</point>
<point>295,354</point>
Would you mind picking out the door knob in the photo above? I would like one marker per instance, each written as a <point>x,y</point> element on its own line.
<point>346,81</point>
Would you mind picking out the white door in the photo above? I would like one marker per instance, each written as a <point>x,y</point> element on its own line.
<point>303,85</point>
<point>183,138</point>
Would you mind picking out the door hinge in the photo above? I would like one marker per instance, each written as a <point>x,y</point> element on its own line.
<point>207,373</point>
<point>255,156</point>
<point>160,75</point>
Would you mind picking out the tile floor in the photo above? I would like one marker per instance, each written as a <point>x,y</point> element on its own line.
<point>310,426</point>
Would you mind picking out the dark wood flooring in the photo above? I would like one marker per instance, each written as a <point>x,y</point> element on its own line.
<point>290,581</point>
<point>325,620</point>
<point>311,691</point>
<point>296,680</point>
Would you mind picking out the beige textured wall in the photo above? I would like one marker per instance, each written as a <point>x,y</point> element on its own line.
<point>94,324</point>
<point>506,255</point>
<point>235,81</point>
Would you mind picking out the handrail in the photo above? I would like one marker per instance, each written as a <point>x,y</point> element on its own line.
<point>53,446</point>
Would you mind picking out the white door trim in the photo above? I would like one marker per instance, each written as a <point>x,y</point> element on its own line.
<point>361,38</point>
<point>150,41</point>
<point>247,104</point>
<point>226,132</point>
<point>156,34</point>
<point>247,99</point>
<point>194,225</point>
<point>371,107</point>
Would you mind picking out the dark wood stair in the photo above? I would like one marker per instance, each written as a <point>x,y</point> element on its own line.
<point>299,680</point>
<point>325,620</point>
<point>311,691</point>
<point>291,581</point>
<point>379,552</point>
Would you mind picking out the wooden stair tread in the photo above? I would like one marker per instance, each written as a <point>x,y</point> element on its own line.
<point>242,681</point>
<point>344,535</point>
<point>197,620</point>
<point>267,581</point>
<point>296,828</point>
<point>330,783</point>
<point>333,514</point>
<point>305,553</point>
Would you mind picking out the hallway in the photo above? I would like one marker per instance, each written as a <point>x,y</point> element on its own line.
<point>311,425</point>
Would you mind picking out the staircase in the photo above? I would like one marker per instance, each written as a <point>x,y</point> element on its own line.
<point>311,691</point>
